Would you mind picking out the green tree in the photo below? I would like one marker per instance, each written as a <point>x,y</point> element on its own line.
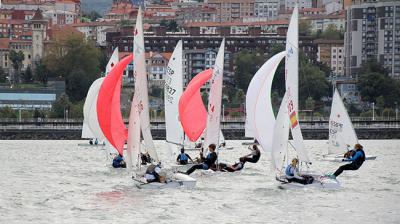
<point>164,23</point>
<point>278,84</point>
<point>60,106</point>
<point>16,58</point>
<point>247,65</point>
<point>72,57</point>
<point>312,82</point>
<point>172,26</point>
<point>41,73</point>
<point>7,112</point>
<point>305,27</point>
<point>332,33</point>
<point>310,103</point>
<point>239,97</point>
<point>77,85</point>
<point>3,76</point>
<point>27,76</point>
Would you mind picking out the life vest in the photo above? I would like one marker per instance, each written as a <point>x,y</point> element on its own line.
<point>183,157</point>
<point>289,171</point>
<point>257,156</point>
<point>362,158</point>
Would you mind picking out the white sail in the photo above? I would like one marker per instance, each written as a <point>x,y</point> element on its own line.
<point>292,59</point>
<point>133,149</point>
<point>214,100</point>
<point>173,89</point>
<point>280,137</point>
<point>341,130</point>
<point>260,116</point>
<point>292,85</point>
<point>91,127</point>
<point>221,138</point>
<point>114,59</point>
<point>141,92</point>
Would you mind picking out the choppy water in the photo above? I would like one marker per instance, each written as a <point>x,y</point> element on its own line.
<point>59,182</point>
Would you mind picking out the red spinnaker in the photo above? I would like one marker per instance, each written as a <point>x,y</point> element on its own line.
<point>109,106</point>
<point>192,112</point>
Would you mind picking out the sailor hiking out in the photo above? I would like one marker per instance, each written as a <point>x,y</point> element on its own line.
<point>208,161</point>
<point>357,159</point>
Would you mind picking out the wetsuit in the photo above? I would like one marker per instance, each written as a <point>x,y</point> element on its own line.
<point>235,167</point>
<point>183,158</point>
<point>357,160</point>
<point>209,161</point>
<point>152,174</point>
<point>292,175</point>
<point>256,154</point>
<point>118,162</point>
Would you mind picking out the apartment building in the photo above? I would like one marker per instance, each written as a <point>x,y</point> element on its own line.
<point>373,32</point>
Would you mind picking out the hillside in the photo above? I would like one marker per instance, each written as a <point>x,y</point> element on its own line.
<point>100,6</point>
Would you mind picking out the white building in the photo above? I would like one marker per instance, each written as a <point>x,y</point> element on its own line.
<point>290,4</point>
<point>266,9</point>
<point>95,31</point>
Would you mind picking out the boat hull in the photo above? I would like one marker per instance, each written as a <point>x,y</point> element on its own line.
<point>320,182</point>
<point>339,159</point>
<point>178,180</point>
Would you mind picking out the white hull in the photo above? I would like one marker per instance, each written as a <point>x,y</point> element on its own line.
<point>178,180</point>
<point>89,145</point>
<point>320,182</point>
<point>339,158</point>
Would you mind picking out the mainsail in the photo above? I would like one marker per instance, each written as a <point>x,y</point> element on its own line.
<point>341,130</point>
<point>214,100</point>
<point>292,85</point>
<point>192,112</point>
<point>141,92</point>
<point>172,92</point>
<point>260,116</point>
<point>109,106</point>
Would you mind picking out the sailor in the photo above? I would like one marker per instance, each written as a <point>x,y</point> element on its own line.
<point>153,174</point>
<point>145,158</point>
<point>96,142</point>
<point>356,161</point>
<point>222,145</point>
<point>292,173</point>
<point>208,161</point>
<point>232,168</point>
<point>254,156</point>
<point>183,158</point>
<point>118,162</point>
<point>91,141</point>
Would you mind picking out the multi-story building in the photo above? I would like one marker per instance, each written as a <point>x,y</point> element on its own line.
<point>331,53</point>
<point>95,31</point>
<point>321,22</point>
<point>196,14</point>
<point>290,4</point>
<point>121,10</point>
<point>232,10</point>
<point>373,32</point>
<point>266,9</point>
<point>44,5</point>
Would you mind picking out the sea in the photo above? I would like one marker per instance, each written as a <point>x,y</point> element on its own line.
<point>61,182</point>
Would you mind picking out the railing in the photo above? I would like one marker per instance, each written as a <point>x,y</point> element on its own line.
<point>234,124</point>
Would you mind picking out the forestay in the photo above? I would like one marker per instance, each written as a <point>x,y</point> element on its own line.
<point>214,100</point>
<point>260,116</point>
<point>341,130</point>
<point>141,92</point>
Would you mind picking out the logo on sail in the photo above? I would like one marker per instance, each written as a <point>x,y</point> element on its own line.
<point>293,119</point>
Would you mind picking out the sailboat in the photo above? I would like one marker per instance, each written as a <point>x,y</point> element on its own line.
<point>261,119</point>
<point>139,120</point>
<point>341,131</point>
<point>91,128</point>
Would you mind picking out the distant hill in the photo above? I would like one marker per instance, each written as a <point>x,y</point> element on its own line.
<point>100,6</point>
